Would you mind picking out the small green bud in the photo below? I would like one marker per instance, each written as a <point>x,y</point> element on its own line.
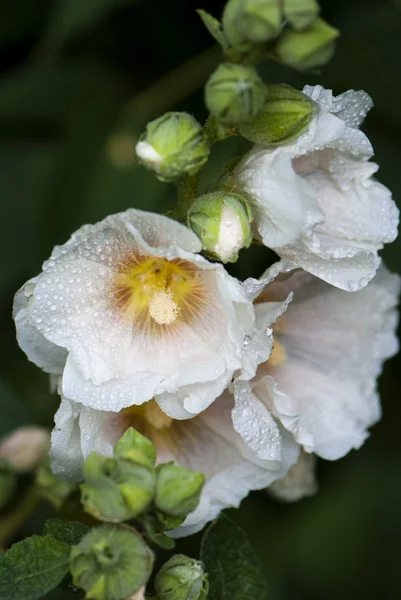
<point>251,21</point>
<point>116,489</point>
<point>181,578</point>
<point>8,482</point>
<point>54,490</point>
<point>301,13</point>
<point>172,146</point>
<point>177,490</point>
<point>222,221</point>
<point>286,114</point>
<point>111,563</point>
<point>136,447</point>
<point>307,49</point>
<point>234,93</point>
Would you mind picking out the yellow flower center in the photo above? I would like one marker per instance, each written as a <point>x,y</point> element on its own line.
<point>278,355</point>
<point>157,289</point>
<point>147,416</point>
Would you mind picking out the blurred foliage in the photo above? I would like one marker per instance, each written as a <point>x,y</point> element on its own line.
<point>79,79</point>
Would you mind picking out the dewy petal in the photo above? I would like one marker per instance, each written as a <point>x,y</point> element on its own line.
<point>206,443</point>
<point>335,345</point>
<point>46,355</point>
<point>281,204</point>
<point>114,361</point>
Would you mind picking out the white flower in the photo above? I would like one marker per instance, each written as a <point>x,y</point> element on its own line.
<point>299,482</point>
<point>328,350</point>
<point>315,201</point>
<point>127,310</point>
<point>206,443</point>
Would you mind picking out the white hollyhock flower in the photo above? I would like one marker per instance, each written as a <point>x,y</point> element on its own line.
<point>206,443</point>
<point>299,482</point>
<point>315,201</point>
<point>127,310</point>
<point>328,350</point>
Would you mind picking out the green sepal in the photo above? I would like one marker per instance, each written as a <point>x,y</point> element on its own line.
<point>285,115</point>
<point>301,13</point>
<point>178,489</point>
<point>214,27</point>
<point>136,447</point>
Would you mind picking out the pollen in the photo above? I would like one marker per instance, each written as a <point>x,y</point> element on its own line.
<point>162,307</point>
<point>278,355</point>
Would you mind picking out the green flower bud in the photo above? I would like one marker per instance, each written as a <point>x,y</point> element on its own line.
<point>301,13</point>
<point>222,221</point>
<point>54,490</point>
<point>286,114</point>
<point>8,482</point>
<point>181,578</point>
<point>172,146</point>
<point>111,563</point>
<point>234,93</point>
<point>251,21</point>
<point>116,489</point>
<point>177,490</point>
<point>307,49</point>
<point>136,447</point>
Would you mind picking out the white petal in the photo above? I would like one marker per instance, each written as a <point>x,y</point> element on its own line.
<point>335,344</point>
<point>46,355</point>
<point>299,482</point>
<point>66,452</point>
<point>281,204</point>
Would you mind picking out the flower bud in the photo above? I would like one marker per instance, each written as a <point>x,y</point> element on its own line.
<point>116,489</point>
<point>111,563</point>
<point>234,93</point>
<point>181,578</point>
<point>301,13</point>
<point>177,490</point>
<point>307,49</point>
<point>54,490</point>
<point>285,115</point>
<point>24,448</point>
<point>222,221</point>
<point>251,21</point>
<point>172,146</point>
<point>8,482</point>
<point>136,447</point>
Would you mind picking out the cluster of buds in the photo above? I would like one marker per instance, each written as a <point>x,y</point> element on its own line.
<point>126,485</point>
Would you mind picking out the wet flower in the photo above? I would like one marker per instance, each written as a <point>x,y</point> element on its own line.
<point>299,482</point>
<point>320,381</point>
<point>315,201</point>
<point>127,310</point>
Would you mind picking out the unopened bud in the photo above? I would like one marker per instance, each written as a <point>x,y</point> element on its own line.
<point>111,563</point>
<point>172,146</point>
<point>50,487</point>
<point>8,482</point>
<point>135,447</point>
<point>285,115</point>
<point>299,482</point>
<point>301,13</point>
<point>234,93</point>
<point>251,21</point>
<point>25,447</point>
<point>177,490</point>
<point>307,49</point>
<point>116,489</point>
<point>181,578</point>
<point>222,221</point>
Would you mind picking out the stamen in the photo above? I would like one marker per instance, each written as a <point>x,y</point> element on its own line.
<point>162,307</point>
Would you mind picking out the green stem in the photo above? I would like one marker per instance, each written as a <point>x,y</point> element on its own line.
<point>12,522</point>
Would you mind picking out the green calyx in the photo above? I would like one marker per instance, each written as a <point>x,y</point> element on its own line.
<point>120,488</point>
<point>222,221</point>
<point>301,13</point>
<point>181,578</point>
<point>178,490</point>
<point>111,563</point>
<point>285,115</point>
<point>247,22</point>
<point>172,146</point>
<point>234,93</point>
<point>308,49</point>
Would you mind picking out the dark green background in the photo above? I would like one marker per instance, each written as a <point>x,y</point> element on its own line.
<point>79,80</point>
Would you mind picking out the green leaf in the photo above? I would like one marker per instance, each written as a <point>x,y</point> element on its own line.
<point>32,568</point>
<point>231,564</point>
<point>214,27</point>
<point>68,532</point>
